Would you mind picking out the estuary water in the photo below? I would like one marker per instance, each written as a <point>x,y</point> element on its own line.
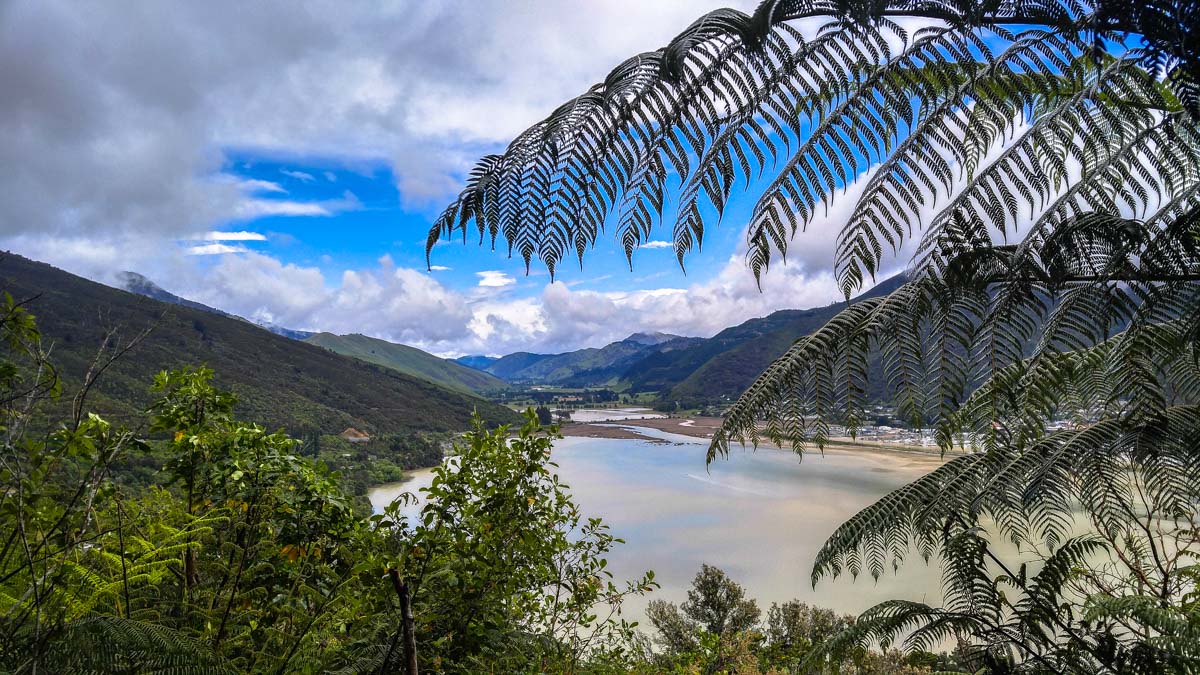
<point>760,516</point>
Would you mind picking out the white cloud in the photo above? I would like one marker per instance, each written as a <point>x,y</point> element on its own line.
<point>394,303</point>
<point>494,279</point>
<point>250,209</point>
<point>298,175</point>
<point>331,176</point>
<point>112,162</point>
<point>214,235</point>
<point>439,268</point>
<point>252,185</point>
<point>215,249</point>
<point>97,142</point>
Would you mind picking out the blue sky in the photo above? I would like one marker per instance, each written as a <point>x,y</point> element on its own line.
<point>283,162</point>
<point>360,215</point>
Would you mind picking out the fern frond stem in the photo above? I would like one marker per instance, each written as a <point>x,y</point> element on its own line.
<point>121,544</point>
<point>1052,611</point>
<point>1165,587</point>
<point>229,605</point>
<point>56,552</point>
<point>287,659</point>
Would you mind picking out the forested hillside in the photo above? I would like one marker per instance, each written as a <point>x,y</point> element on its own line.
<point>278,381</point>
<point>410,361</point>
<point>737,355</point>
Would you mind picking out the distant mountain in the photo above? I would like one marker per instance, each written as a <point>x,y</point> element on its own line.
<point>136,283</point>
<point>650,338</point>
<point>476,361</point>
<point>409,360</point>
<point>511,368</point>
<point>685,369</point>
<point>726,364</point>
<point>285,332</point>
<point>584,367</point>
<point>279,382</point>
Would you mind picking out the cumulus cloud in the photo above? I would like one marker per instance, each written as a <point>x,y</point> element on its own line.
<point>395,303</point>
<point>97,141</point>
<point>112,164</point>
<point>258,208</point>
<point>494,279</point>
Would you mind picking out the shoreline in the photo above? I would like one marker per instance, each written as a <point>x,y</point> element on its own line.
<point>702,428</point>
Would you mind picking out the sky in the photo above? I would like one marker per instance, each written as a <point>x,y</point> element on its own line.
<point>284,160</point>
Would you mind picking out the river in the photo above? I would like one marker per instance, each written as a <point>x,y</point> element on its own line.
<point>760,516</point>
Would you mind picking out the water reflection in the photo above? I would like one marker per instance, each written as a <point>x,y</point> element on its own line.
<point>614,414</point>
<point>760,516</point>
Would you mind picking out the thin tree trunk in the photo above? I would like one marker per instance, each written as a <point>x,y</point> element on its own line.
<point>407,626</point>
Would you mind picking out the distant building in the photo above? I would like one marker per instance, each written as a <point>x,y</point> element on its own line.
<point>354,435</point>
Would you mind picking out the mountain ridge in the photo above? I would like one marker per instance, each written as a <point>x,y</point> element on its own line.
<point>693,371</point>
<point>590,366</point>
<point>280,382</point>
<point>134,282</point>
<point>410,360</point>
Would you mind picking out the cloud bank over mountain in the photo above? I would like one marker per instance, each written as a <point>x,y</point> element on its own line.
<point>121,125</point>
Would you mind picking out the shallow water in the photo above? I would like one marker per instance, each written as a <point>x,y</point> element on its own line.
<point>761,516</point>
<point>614,414</point>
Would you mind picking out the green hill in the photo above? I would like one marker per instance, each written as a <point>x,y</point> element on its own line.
<point>726,364</point>
<point>511,366</point>
<point>410,361</point>
<point>279,382</point>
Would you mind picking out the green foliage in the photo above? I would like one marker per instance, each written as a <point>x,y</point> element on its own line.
<point>794,630</point>
<point>249,557</point>
<point>718,631</point>
<point>109,644</point>
<point>718,604</point>
<point>507,571</point>
<point>716,608</point>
